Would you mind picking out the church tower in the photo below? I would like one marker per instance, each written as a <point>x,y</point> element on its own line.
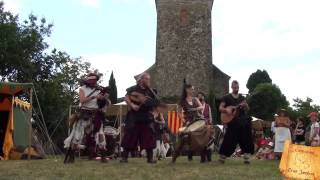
<point>184,49</point>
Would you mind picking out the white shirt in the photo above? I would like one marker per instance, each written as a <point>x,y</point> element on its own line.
<point>313,126</point>
<point>273,127</point>
<point>92,104</point>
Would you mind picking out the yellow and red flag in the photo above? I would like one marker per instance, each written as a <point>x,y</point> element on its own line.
<point>174,122</point>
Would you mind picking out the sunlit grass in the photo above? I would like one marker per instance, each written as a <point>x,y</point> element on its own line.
<point>138,169</point>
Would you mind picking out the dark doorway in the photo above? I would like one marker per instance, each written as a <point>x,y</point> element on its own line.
<point>4,115</point>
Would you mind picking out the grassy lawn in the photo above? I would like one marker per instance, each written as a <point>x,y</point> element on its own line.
<point>137,169</point>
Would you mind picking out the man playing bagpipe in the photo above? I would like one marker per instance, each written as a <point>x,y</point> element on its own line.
<point>138,130</point>
<point>87,127</point>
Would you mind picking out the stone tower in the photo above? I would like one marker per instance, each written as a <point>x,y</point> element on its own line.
<point>184,49</point>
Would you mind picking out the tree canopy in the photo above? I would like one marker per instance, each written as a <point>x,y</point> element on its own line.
<point>113,89</point>
<point>25,57</point>
<point>257,78</point>
<point>266,100</point>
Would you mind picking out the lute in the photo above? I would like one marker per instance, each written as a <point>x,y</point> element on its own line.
<point>228,117</point>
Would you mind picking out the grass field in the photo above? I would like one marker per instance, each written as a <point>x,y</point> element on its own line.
<point>137,169</point>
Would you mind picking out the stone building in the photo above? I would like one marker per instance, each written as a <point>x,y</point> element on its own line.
<point>184,49</point>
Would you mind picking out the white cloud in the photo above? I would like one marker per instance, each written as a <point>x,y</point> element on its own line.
<point>124,68</point>
<point>255,29</point>
<point>91,3</point>
<point>13,6</point>
<point>250,35</point>
<point>296,81</point>
<point>299,81</point>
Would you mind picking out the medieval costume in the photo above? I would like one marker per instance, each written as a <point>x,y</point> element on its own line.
<point>190,115</point>
<point>238,131</point>
<point>138,125</point>
<point>87,130</point>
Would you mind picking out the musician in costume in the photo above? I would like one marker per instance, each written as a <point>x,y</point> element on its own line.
<point>190,108</point>
<point>196,135</point>
<point>142,101</point>
<point>87,130</point>
<point>239,130</point>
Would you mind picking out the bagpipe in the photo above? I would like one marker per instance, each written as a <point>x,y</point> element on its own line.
<point>139,98</point>
<point>103,92</point>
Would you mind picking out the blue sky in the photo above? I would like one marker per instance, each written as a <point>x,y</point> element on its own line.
<point>279,36</point>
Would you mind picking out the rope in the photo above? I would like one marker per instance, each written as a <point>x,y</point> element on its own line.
<point>42,118</point>
<point>59,122</point>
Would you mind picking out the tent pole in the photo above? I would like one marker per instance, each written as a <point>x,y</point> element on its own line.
<point>30,124</point>
<point>120,124</point>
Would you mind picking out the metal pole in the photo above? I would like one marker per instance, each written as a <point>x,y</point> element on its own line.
<point>30,124</point>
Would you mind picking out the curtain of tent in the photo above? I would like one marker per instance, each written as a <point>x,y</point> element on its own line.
<point>21,127</point>
<point>7,105</point>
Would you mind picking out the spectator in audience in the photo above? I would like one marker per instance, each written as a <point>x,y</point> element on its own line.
<point>314,132</point>
<point>299,132</point>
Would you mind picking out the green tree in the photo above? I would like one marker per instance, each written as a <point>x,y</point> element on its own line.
<point>24,57</point>
<point>302,108</point>
<point>113,89</point>
<point>257,78</point>
<point>265,100</point>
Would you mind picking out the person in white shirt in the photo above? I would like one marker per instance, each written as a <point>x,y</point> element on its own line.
<point>87,130</point>
<point>315,127</point>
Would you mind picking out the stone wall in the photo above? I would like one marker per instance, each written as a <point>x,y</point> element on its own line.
<point>184,49</point>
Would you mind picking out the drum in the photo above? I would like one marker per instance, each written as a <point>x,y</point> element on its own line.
<point>110,131</point>
<point>182,129</point>
<point>195,126</point>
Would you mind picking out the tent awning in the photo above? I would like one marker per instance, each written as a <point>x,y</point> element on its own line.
<point>13,88</point>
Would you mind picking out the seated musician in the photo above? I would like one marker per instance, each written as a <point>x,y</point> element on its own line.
<point>88,129</point>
